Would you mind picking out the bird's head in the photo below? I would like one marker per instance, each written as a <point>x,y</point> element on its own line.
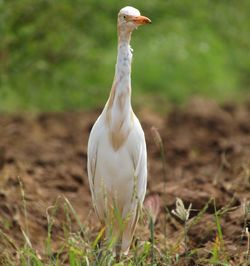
<point>129,18</point>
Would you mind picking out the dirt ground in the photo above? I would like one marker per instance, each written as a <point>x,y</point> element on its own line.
<point>207,149</point>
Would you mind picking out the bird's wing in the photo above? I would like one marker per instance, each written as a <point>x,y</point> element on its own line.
<point>91,169</point>
<point>139,157</point>
<point>141,173</point>
<point>138,154</point>
<point>93,144</point>
<point>92,155</point>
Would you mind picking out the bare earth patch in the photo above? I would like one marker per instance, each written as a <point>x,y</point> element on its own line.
<point>207,151</point>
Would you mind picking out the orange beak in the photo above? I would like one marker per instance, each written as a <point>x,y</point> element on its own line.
<point>141,20</point>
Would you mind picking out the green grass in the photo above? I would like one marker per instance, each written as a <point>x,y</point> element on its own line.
<point>79,247</point>
<point>60,54</point>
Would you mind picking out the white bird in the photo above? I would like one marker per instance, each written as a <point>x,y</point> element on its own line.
<point>117,155</point>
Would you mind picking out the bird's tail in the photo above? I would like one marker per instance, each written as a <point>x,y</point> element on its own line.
<point>114,227</point>
<point>129,230</point>
<point>121,227</point>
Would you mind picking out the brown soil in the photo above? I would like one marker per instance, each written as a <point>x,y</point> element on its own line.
<point>207,155</point>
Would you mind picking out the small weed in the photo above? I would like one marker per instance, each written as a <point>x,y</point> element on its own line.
<point>183,214</point>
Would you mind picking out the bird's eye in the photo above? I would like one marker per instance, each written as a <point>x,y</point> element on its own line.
<point>124,17</point>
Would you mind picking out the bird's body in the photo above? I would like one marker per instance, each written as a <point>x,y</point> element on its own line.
<point>117,156</point>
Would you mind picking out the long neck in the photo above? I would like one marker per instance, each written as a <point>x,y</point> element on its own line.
<point>118,111</point>
<point>124,58</point>
<point>120,95</point>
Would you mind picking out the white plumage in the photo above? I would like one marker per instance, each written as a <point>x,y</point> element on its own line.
<point>117,156</point>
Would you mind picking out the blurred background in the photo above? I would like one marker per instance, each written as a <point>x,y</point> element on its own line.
<point>60,54</point>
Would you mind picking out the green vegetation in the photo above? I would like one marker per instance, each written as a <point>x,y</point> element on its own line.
<point>79,248</point>
<point>60,54</point>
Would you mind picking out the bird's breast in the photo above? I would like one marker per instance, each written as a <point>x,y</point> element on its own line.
<point>114,169</point>
<point>119,122</point>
